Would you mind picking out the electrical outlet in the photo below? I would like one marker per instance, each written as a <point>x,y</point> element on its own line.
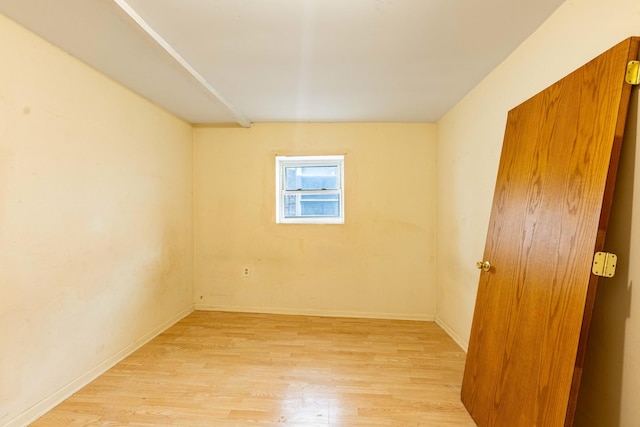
<point>245,271</point>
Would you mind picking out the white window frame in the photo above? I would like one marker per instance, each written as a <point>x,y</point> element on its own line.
<point>283,162</point>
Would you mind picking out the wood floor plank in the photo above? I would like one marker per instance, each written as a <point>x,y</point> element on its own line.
<point>238,369</point>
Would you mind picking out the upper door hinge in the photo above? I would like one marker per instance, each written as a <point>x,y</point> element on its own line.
<point>604,264</point>
<point>633,73</point>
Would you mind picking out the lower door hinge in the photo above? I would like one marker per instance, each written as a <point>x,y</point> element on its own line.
<point>604,264</point>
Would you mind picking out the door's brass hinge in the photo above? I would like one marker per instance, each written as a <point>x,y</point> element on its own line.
<point>633,73</point>
<point>604,264</point>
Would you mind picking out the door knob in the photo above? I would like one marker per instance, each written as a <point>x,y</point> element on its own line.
<point>483,265</point>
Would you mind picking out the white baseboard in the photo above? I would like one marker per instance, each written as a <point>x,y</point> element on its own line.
<point>45,405</point>
<point>321,313</point>
<point>454,336</point>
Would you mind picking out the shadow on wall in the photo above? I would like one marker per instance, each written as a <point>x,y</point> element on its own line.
<point>599,401</point>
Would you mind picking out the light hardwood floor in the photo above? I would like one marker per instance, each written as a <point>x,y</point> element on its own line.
<point>234,369</point>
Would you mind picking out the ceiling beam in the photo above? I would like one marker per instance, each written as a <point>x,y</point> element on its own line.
<point>238,116</point>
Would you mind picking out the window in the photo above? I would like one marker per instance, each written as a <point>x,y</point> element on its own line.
<point>309,189</point>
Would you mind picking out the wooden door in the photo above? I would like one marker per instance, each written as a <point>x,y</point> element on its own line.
<point>549,216</point>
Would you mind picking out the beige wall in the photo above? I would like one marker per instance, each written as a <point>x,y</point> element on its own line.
<point>469,142</point>
<point>95,223</point>
<point>379,263</point>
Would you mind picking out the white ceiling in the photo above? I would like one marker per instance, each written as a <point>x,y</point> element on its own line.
<point>243,61</point>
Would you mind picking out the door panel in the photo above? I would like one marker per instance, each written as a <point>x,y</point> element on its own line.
<point>550,209</point>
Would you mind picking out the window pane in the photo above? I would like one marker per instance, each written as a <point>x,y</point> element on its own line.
<point>309,189</point>
<point>320,205</point>
<point>311,178</point>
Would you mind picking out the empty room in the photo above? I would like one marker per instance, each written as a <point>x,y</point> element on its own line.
<point>303,213</point>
